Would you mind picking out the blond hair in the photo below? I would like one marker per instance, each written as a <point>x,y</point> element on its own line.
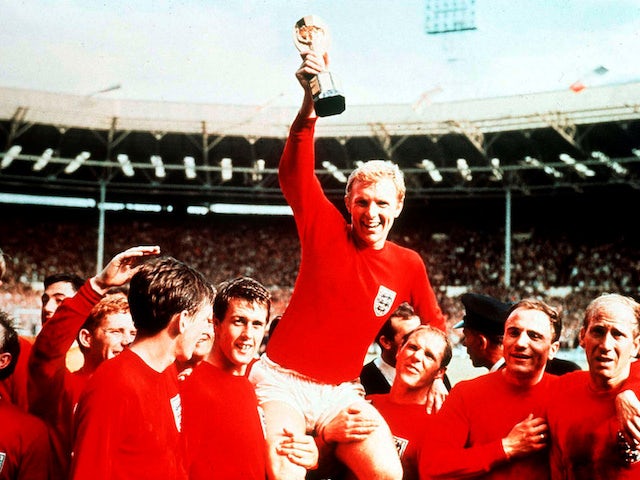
<point>374,170</point>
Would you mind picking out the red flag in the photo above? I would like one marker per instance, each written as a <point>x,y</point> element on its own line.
<point>577,86</point>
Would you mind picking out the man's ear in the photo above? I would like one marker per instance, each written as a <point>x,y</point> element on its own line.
<point>636,346</point>
<point>347,203</point>
<point>441,372</point>
<point>555,346</point>
<point>386,343</point>
<point>84,338</point>
<point>183,321</point>
<point>399,208</point>
<point>216,324</point>
<point>177,324</point>
<point>581,335</point>
<point>5,359</point>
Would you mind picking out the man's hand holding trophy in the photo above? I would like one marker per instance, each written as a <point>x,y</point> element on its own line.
<point>311,33</point>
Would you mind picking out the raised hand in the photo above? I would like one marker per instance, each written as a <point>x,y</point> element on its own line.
<point>122,267</point>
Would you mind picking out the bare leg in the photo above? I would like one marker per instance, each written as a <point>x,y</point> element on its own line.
<point>277,416</point>
<point>375,456</point>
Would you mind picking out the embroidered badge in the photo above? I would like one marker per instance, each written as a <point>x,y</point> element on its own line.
<point>401,445</point>
<point>383,302</point>
<point>2,458</point>
<point>176,406</point>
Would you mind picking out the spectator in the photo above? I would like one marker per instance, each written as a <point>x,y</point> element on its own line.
<point>128,420</point>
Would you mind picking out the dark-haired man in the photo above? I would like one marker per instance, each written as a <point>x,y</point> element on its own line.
<point>102,326</point>
<point>57,287</point>
<point>222,424</point>
<point>13,388</point>
<point>493,425</point>
<point>128,420</point>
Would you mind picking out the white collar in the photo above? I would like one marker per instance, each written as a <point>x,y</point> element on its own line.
<point>498,365</point>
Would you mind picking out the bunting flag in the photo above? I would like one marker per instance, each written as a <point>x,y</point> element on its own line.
<point>425,99</point>
<point>582,83</point>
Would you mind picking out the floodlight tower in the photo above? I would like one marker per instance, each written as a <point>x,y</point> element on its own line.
<point>446,16</point>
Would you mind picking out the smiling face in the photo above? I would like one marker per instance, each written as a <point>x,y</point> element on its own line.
<point>204,343</point>
<point>106,332</point>
<point>528,344</point>
<point>373,207</point>
<point>610,340</point>
<point>193,327</point>
<point>116,333</point>
<point>238,335</point>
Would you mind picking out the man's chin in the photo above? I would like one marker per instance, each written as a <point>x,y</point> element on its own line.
<point>369,240</point>
<point>243,359</point>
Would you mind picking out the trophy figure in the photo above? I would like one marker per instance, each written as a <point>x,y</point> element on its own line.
<point>311,33</point>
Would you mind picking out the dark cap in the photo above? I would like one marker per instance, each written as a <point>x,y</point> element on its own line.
<point>483,313</point>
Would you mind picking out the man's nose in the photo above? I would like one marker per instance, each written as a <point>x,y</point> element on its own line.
<point>373,210</point>
<point>608,341</point>
<point>522,340</point>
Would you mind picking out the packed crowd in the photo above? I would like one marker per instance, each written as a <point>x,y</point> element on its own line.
<point>267,249</point>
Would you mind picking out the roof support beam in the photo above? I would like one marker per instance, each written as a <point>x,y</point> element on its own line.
<point>472,132</point>
<point>563,126</point>
<point>384,139</point>
<point>17,126</point>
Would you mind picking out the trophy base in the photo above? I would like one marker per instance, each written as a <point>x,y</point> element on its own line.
<point>327,98</point>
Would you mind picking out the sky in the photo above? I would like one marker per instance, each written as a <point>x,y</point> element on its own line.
<point>242,52</point>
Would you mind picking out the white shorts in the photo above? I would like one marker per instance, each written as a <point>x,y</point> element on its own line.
<point>318,402</point>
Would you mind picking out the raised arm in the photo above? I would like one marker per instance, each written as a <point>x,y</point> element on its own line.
<point>296,171</point>
<point>47,365</point>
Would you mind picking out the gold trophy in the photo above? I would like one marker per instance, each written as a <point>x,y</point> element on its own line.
<point>311,33</point>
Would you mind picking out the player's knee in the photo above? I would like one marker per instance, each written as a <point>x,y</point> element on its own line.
<point>380,470</point>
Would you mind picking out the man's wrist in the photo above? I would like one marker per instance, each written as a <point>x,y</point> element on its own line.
<point>506,448</point>
<point>98,286</point>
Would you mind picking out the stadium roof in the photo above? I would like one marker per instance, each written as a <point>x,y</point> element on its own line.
<point>542,142</point>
